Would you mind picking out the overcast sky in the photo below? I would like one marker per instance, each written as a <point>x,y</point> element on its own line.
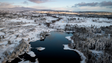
<point>69,5</point>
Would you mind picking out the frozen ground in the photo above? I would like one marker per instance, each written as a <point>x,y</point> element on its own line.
<point>87,22</point>
<point>13,30</point>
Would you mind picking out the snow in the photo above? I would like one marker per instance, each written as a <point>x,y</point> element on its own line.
<point>40,48</point>
<point>97,52</point>
<point>69,31</point>
<point>29,24</point>
<point>109,36</point>
<point>28,61</point>
<point>12,45</point>
<point>24,62</point>
<point>1,33</point>
<point>23,31</point>
<point>1,28</point>
<point>21,20</point>
<point>66,47</point>
<point>68,37</point>
<point>50,18</point>
<point>32,54</point>
<point>4,42</point>
<point>87,22</point>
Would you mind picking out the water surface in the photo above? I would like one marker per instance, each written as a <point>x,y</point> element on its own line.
<point>54,49</point>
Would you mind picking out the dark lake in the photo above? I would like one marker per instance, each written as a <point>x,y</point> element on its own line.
<point>54,51</point>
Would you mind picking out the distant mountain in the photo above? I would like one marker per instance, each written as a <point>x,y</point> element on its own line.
<point>89,11</point>
<point>30,9</point>
<point>33,9</point>
<point>22,8</point>
<point>18,9</point>
<point>25,8</point>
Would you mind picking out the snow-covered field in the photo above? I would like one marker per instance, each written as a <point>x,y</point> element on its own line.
<point>87,22</point>
<point>13,30</point>
<point>13,33</point>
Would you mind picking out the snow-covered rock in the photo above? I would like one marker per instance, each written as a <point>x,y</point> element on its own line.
<point>29,61</point>
<point>40,48</point>
<point>68,37</point>
<point>31,53</point>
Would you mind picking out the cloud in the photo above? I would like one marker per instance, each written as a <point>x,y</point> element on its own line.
<point>86,4</point>
<point>6,5</point>
<point>52,8</point>
<point>60,8</point>
<point>103,3</point>
<point>39,1</point>
<point>39,7</point>
<point>25,2</point>
<point>96,8</point>
<point>93,6</point>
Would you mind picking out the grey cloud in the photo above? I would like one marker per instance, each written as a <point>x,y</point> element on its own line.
<point>6,5</point>
<point>39,1</point>
<point>87,4</point>
<point>25,2</point>
<point>103,3</point>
